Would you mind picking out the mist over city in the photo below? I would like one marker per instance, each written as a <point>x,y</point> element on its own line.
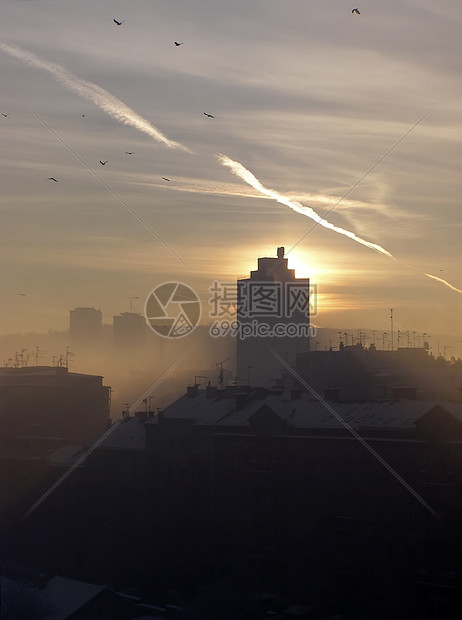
<point>230,310</point>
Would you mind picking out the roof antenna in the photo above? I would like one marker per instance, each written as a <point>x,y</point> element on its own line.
<point>219,366</point>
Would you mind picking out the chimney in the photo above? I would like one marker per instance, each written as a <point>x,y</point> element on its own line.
<point>211,391</point>
<point>280,252</point>
<point>192,390</point>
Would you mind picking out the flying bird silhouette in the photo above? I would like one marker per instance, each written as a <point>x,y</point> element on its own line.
<point>52,179</point>
<point>103,163</point>
<point>22,294</point>
<point>128,152</point>
<point>178,44</point>
<point>209,115</point>
<point>165,179</point>
<point>5,115</point>
<point>118,23</point>
<point>356,11</point>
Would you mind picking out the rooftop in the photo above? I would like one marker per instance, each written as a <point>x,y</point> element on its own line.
<point>234,408</point>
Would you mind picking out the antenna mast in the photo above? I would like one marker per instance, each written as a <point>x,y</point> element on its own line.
<point>219,366</point>
<point>67,356</point>
<point>131,303</point>
<point>391,321</point>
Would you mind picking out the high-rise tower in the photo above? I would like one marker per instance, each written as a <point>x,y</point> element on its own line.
<point>273,313</point>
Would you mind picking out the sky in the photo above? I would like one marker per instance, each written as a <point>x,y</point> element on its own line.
<point>354,120</point>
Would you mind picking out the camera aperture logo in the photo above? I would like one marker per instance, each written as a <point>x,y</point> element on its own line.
<point>172,310</point>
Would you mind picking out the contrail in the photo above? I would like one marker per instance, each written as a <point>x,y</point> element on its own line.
<point>101,439</point>
<point>445,282</point>
<point>94,93</point>
<point>357,436</point>
<point>239,170</point>
<point>368,172</point>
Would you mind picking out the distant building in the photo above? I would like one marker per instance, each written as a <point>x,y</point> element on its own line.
<point>356,373</point>
<point>86,326</point>
<point>273,311</point>
<point>130,330</point>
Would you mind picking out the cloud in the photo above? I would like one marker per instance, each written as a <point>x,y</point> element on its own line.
<point>97,95</point>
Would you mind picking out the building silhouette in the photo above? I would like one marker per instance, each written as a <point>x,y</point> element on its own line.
<point>347,504</point>
<point>266,490</point>
<point>130,331</point>
<point>45,403</point>
<point>357,374</point>
<point>46,414</point>
<point>86,326</point>
<point>273,312</point>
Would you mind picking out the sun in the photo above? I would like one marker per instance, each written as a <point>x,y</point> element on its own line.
<point>302,268</point>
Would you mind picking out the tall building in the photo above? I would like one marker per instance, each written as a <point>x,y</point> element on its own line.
<point>273,313</point>
<point>130,330</point>
<point>86,325</point>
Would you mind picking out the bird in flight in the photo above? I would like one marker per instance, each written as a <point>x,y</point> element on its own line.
<point>118,23</point>
<point>209,115</point>
<point>165,179</point>
<point>128,152</point>
<point>178,44</point>
<point>22,294</point>
<point>356,11</point>
<point>52,179</point>
<point>103,163</point>
<point>5,115</point>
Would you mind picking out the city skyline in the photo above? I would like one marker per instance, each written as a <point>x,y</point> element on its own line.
<point>315,103</point>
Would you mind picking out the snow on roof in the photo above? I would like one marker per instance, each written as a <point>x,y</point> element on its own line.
<point>65,455</point>
<point>60,597</point>
<point>199,408</point>
<point>302,412</point>
<point>129,435</point>
<point>66,596</point>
